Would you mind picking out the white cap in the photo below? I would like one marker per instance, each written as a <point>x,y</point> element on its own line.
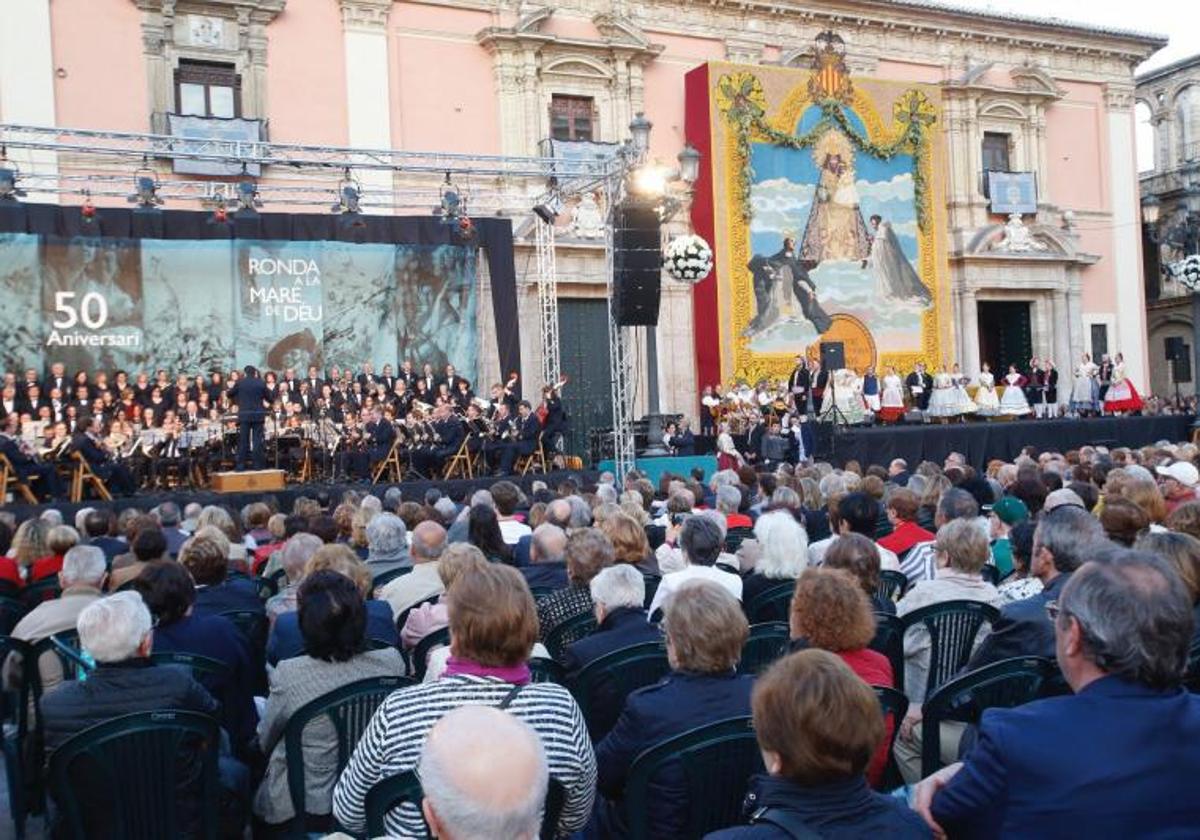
<point>1183,472</point>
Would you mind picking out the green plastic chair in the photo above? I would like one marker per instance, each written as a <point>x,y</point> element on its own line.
<point>254,628</point>
<point>734,538</point>
<point>990,574</point>
<point>1192,676</point>
<point>122,778</point>
<point>952,626</point>
<point>199,666</point>
<point>542,669</point>
<point>601,686</point>
<point>717,761</point>
<point>46,589</point>
<point>894,703</point>
<point>568,631</point>
<point>420,655</point>
<point>1004,684</point>
<point>348,710</point>
<point>892,585</point>
<point>267,586</point>
<point>889,640</point>
<point>384,578</point>
<point>652,583</point>
<point>774,604</point>
<point>391,793</point>
<point>11,611</point>
<point>766,643</point>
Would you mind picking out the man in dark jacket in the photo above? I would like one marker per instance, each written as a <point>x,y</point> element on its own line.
<point>619,595</point>
<point>250,394</point>
<point>216,591</point>
<point>547,569</point>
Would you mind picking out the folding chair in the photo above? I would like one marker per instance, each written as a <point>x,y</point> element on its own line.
<point>390,464</point>
<point>8,475</point>
<point>536,458</point>
<point>84,474</point>
<point>460,463</point>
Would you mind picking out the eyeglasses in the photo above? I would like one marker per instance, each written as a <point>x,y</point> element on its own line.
<point>1053,611</point>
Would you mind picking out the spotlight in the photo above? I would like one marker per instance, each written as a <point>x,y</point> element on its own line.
<point>248,202</point>
<point>145,184</point>
<point>452,204</point>
<point>87,210</point>
<point>9,191</point>
<point>649,181</point>
<point>349,195</point>
<point>220,215</point>
<point>549,210</point>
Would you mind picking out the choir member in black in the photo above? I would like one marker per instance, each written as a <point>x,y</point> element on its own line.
<point>920,385</point>
<point>463,394</point>
<point>1105,376</point>
<point>367,378</point>
<point>452,378</point>
<point>451,432</point>
<point>10,405</point>
<point>798,385</point>
<point>427,381</point>
<point>170,455</point>
<point>553,417</point>
<point>249,393</point>
<point>527,438</point>
<point>680,438</point>
<point>57,378</point>
<point>387,378</point>
<point>41,477</point>
<point>115,475</point>
<point>819,378</point>
<point>754,438</point>
<point>408,373</point>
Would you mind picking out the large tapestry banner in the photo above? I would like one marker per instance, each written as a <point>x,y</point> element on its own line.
<point>826,217</point>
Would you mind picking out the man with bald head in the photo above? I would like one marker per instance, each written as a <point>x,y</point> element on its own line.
<point>423,582</point>
<point>558,512</point>
<point>548,566</point>
<point>484,775</point>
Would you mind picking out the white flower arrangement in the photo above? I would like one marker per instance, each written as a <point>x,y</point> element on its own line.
<point>689,258</point>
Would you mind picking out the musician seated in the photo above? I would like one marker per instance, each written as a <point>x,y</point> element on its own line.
<point>86,442</point>
<point>680,438</point>
<point>527,438</point>
<point>368,447</point>
<point>41,477</point>
<point>553,417</point>
<point>170,455</point>
<point>477,429</point>
<point>451,432</point>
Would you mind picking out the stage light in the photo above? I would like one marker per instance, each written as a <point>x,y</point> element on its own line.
<point>452,205</point>
<point>689,164</point>
<point>220,215</point>
<point>639,131</point>
<point>87,210</point>
<point>248,202</point>
<point>649,181</point>
<point>145,183</point>
<point>550,209</point>
<point>349,195</point>
<point>9,191</point>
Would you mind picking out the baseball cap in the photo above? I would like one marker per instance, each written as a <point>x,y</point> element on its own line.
<point>1010,510</point>
<point>1063,497</point>
<point>1183,472</point>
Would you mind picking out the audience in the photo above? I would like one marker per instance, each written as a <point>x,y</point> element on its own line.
<point>902,507</point>
<point>779,551</point>
<point>921,561</point>
<point>856,554</point>
<point>700,541</point>
<point>547,569</point>
<point>484,532</point>
<point>206,557</point>
<point>387,544</point>
<point>426,618</point>
<point>296,553</point>
<point>423,582</point>
<point>1021,583</point>
<point>1005,514</point>
<point>587,552</point>
<point>1182,551</point>
<point>618,595</point>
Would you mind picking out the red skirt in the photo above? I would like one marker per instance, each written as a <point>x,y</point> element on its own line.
<point>890,414</point>
<point>1122,397</point>
<point>725,461</point>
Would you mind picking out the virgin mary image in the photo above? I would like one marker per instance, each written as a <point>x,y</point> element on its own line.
<point>835,230</point>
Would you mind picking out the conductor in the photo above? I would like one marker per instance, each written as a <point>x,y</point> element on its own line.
<point>250,395</point>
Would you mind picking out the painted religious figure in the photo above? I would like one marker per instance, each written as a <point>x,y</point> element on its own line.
<point>895,278</point>
<point>835,229</point>
<point>781,281</point>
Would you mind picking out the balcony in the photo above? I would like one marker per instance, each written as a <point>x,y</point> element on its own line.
<point>202,133</point>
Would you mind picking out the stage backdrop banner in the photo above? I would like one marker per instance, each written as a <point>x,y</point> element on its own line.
<point>96,299</point>
<point>822,197</point>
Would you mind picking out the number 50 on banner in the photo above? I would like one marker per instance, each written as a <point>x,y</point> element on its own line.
<point>92,311</point>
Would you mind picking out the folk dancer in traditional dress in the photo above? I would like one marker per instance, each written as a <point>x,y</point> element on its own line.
<point>1122,398</point>
<point>943,402</point>
<point>985,395</point>
<point>1012,401</point>
<point>892,402</point>
<point>870,390</point>
<point>1046,405</point>
<point>728,457</point>
<point>1085,391</point>
<point>846,395</point>
<point>963,399</point>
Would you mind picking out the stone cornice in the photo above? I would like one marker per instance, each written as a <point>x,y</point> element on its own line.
<point>618,36</point>
<point>365,15</point>
<point>261,11</point>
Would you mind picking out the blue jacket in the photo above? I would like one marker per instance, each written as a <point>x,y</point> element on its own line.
<point>1116,760</point>
<point>286,640</point>
<point>677,703</point>
<point>546,575</point>
<point>1023,629</point>
<point>843,810</point>
<point>621,628</point>
<point>237,594</point>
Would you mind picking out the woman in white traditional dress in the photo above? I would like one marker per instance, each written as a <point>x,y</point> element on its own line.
<point>1085,392</point>
<point>891,407</point>
<point>846,394</point>
<point>943,402</point>
<point>1012,401</point>
<point>1121,397</point>
<point>962,399</point>
<point>728,457</point>
<point>985,394</point>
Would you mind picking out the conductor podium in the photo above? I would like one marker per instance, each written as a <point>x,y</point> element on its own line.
<point>249,481</point>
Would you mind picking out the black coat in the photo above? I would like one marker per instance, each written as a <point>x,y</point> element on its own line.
<point>621,628</point>
<point>1023,629</point>
<point>236,594</point>
<point>250,393</point>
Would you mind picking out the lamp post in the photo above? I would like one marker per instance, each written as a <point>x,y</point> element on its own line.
<point>1184,237</point>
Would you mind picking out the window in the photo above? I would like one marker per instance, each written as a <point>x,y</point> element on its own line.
<point>1099,341</point>
<point>995,152</point>
<point>572,117</point>
<point>207,89</point>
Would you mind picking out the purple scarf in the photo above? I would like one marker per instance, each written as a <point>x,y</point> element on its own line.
<point>515,674</point>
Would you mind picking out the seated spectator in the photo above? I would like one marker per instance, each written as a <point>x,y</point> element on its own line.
<point>630,544</point>
<point>818,727</point>
<point>780,552</point>
<point>729,500</point>
<point>618,593</point>
<point>428,543</point>
<point>149,545</point>
<point>547,567</point>
<point>587,552</point>
<point>857,513</point>
<point>700,541</point>
<point>830,612</point>
<point>170,595</point>
<point>28,545</point>
<point>387,544</point>
<point>857,555</point>
<point>1114,759</point>
<point>169,517</point>
<point>296,553</point>
<point>1144,493</point>
<point>493,626</point>
<point>507,497</point>
<point>961,552</point>
<point>1021,583</point>
<point>82,579</point>
<point>116,633</point>
<point>921,561</point>
<point>220,519</point>
<point>426,618</point>
<point>1123,521</point>
<point>1005,514</point>
<point>1178,482</point>
<point>705,630</point>
<point>901,508</point>
<point>1182,551</point>
<point>333,623</point>
<point>499,792</point>
<point>206,557</point>
<point>98,526</point>
<point>277,527</point>
<point>286,640</point>
<point>59,540</point>
<point>483,532</point>
<point>1185,519</point>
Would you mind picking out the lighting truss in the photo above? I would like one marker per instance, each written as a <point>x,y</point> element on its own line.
<point>547,285</point>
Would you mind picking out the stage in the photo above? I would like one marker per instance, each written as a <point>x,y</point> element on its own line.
<point>981,441</point>
<point>459,490</point>
<point>677,464</point>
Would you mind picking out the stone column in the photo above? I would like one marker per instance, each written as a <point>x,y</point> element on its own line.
<point>968,329</point>
<point>368,83</point>
<point>27,82</point>
<point>1061,332</point>
<point>1078,340</point>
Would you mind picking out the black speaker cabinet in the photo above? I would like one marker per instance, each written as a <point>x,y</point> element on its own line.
<point>1174,348</point>
<point>833,355</point>
<point>637,266</point>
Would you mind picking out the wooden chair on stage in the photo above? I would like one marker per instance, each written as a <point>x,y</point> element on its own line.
<point>460,464</point>
<point>8,475</point>
<point>391,464</point>
<point>82,474</point>
<point>536,458</point>
<point>306,462</point>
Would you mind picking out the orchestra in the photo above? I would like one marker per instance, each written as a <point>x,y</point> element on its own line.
<point>154,430</point>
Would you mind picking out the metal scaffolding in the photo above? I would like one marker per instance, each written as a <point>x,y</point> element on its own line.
<point>547,285</point>
<point>618,349</point>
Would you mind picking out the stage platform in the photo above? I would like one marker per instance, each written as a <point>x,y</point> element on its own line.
<point>679,465</point>
<point>413,491</point>
<point>981,441</point>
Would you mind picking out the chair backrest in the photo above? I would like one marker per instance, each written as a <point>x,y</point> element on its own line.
<point>402,619</point>
<point>395,791</point>
<point>892,585</point>
<point>567,631</point>
<point>348,709</point>
<point>199,666</point>
<point>384,578</point>
<point>267,586</point>
<point>601,686</point>
<point>766,643</point>
<point>990,574</point>
<point>735,536</point>
<point>11,611</point>
<point>717,760</point>
<point>46,589</point>
<point>952,626</point>
<point>774,604</point>
<point>889,640</point>
<point>253,625</point>
<point>1003,684</point>
<point>893,703</point>
<point>130,777</point>
<point>542,669</point>
<point>420,656</point>
<point>1192,677</point>
<point>652,582</point>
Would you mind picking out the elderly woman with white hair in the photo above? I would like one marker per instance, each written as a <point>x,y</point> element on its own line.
<point>618,601</point>
<point>387,544</point>
<point>782,553</point>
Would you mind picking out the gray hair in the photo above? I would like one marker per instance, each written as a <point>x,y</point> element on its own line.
<point>1134,614</point>
<point>501,798</point>
<point>297,552</point>
<point>81,519</point>
<point>831,485</point>
<point>621,585</point>
<point>446,508</point>
<point>168,514</point>
<point>717,518</point>
<point>112,629</point>
<point>84,564</point>
<point>957,504</point>
<point>482,497</point>
<point>1070,534</point>
<point>723,478</point>
<point>52,517</point>
<point>549,543</point>
<point>386,535</point>
<point>429,541</point>
<point>607,494</point>
<point>371,504</point>
<point>786,497</point>
<point>581,514</point>
<point>729,498</point>
<point>392,497</point>
<point>784,545</point>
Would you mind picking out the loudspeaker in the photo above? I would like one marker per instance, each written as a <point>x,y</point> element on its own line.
<point>1183,368</point>
<point>833,355</point>
<point>637,266</point>
<point>1174,348</point>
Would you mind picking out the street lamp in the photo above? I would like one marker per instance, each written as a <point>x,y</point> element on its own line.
<point>1184,238</point>
<point>689,164</point>
<point>639,131</point>
<point>1151,207</point>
